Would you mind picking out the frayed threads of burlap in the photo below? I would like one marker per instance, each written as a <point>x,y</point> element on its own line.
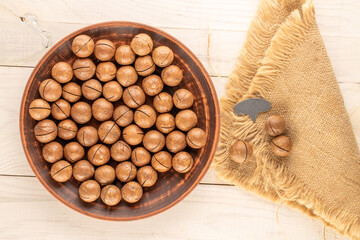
<point>265,54</point>
<point>276,57</point>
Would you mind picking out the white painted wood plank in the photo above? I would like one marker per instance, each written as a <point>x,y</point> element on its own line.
<point>180,14</point>
<point>209,212</point>
<point>20,45</point>
<point>200,14</point>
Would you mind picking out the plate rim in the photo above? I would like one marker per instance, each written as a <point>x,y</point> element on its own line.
<point>190,54</point>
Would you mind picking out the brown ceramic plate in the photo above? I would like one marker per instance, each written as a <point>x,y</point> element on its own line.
<point>171,187</point>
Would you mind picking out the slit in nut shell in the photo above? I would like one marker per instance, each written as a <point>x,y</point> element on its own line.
<point>109,132</point>
<point>61,171</point>
<point>241,151</point>
<point>60,109</point>
<point>142,44</point>
<point>110,195</point>
<point>45,131</point>
<point>146,176</point>
<point>120,151</point>
<point>161,161</point>
<point>98,154</point>
<point>145,116</point>
<point>281,146</point>
<point>133,135</point>
<point>82,46</point>
<point>84,69</point>
<point>87,136</point>
<point>125,171</point>
<point>104,50</point>
<point>50,90</point>
<point>132,192</point>
<point>182,162</point>
<point>39,109</point>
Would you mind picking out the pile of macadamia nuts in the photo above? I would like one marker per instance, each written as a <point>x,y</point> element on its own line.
<point>241,151</point>
<point>109,121</point>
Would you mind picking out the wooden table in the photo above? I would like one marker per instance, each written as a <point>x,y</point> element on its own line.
<point>214,210</point>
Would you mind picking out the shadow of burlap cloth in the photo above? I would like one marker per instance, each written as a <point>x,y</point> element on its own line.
<point>284,60</point>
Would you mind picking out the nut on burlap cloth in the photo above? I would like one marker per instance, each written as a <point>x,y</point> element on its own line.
<point>284,60</point>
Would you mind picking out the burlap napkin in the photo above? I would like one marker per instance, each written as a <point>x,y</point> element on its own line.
<point>284,60</point>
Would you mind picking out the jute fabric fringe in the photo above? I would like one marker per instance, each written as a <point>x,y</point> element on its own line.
<point>284,60</point>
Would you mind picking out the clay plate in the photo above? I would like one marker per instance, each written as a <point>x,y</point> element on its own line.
<point>171,187</point>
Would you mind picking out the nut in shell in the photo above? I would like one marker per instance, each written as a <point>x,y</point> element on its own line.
<point>161,161</point>
<point>82,46</point>
<point>61,171</point>
<point>132,192</point>
<point>109,132</point>
<point>39,109</point>
<point>84,69</point>
<point>81,112</point>
<point>89,191</point>
<point>133,135</point>
<point>105,175</point>
<point>50,90</point>
<point>120,151</point>
<point>175,141</point>
<point>124,55</point>
<point>241,151</point>
<point>83,170</point>
<point>142,44</point>
<point>73,152</point>
<point>123,116</point>
<point>146,176</point>
<point>140,156</point>
<point>125,171</point>
<point>87,136</point>
<point>182,162</point>
<point>154,141</point>
<point>53,152</point>
<point>111,195</point>
<point>98,154</point>
<point>45,131</point>
<point>60,109</point>
<point>145,116</point>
